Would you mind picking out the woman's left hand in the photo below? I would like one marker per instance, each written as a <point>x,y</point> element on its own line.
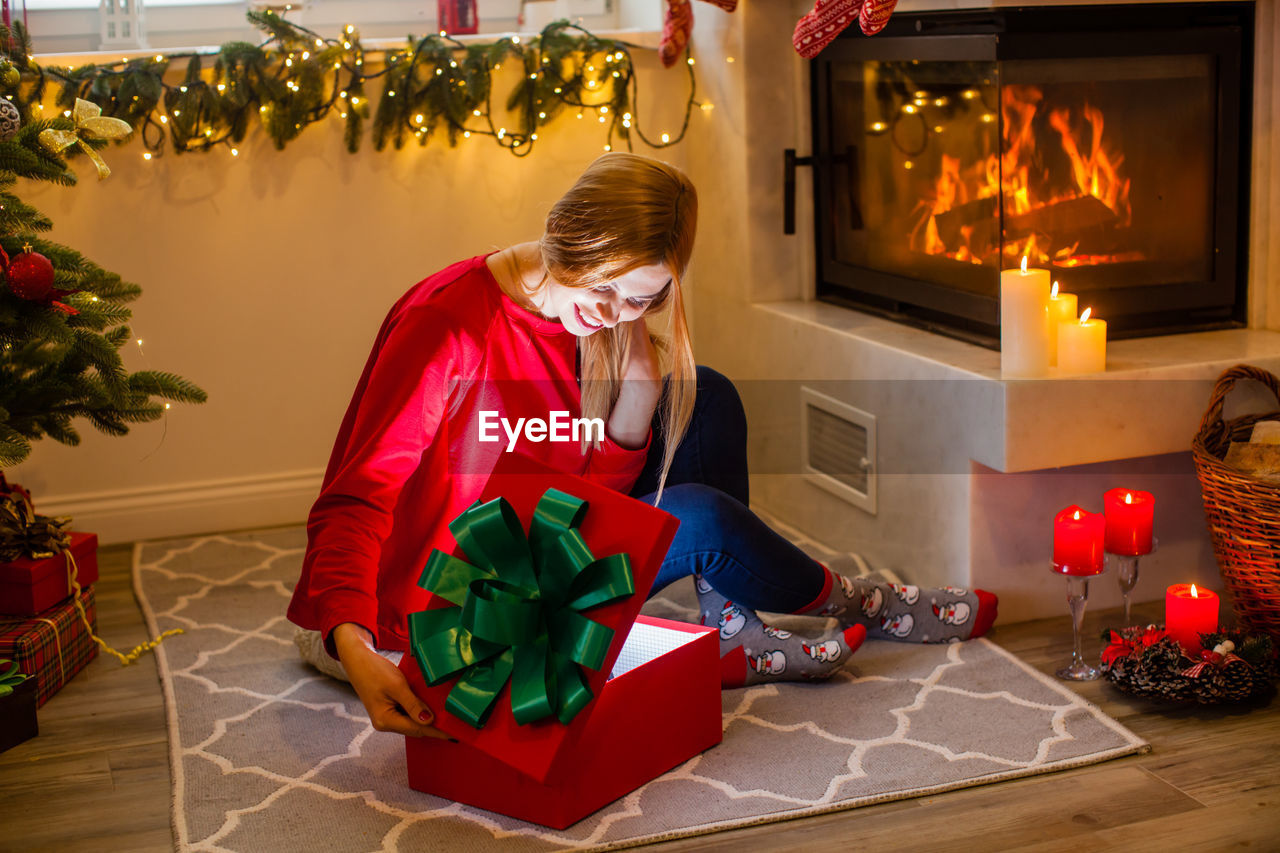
<point>641,389</point>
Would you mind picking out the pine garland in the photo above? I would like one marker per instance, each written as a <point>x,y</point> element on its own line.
<point>296,78</point>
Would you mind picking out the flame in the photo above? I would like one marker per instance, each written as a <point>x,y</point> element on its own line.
<point>1084,317</point>
<point>1017,174</point>
<point>1128,497</point>
<point>1024,264</point>
<point>1053,291</point>
<point>1194,594</point>
<point>1076,516</point>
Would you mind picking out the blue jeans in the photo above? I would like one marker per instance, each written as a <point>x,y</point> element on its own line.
<point>719,537</point>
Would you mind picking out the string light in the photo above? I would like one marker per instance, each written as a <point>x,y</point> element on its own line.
<point>146,155</point>
<point>217,119</point>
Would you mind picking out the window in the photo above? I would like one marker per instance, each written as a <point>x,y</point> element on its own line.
<point>72,26</point>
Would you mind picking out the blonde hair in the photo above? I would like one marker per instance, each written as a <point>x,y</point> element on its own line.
<point>626,212</point>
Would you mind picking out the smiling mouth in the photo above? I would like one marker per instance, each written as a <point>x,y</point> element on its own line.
<point>584,321</point>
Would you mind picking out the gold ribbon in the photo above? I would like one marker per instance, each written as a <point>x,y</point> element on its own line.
<point>90,124</point>
<point>125,659</point>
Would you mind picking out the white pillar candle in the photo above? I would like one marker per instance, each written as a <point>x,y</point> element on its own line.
<point>1062,309</point>
<point>1082,345</point>
<point>1024,322</point>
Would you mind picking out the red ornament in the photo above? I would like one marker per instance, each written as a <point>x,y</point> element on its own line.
<point>30,275</point>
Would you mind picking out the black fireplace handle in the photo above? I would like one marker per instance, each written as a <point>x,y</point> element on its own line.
<point>790,161</point>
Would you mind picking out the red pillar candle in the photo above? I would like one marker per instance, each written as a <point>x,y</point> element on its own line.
<point>1129,516</point>
<point>1077,541</point>
<point>1188,612</point>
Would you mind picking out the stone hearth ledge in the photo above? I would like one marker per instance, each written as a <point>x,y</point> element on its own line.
<point>1149,401</point>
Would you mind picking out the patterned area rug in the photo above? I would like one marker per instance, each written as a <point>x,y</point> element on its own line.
<point>267,754</point>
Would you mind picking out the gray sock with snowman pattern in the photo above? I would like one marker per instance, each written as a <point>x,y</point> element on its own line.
<point>893,611</point>
<point>752,652</point>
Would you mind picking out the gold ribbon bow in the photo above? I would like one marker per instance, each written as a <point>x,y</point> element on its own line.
<point>90,124</point>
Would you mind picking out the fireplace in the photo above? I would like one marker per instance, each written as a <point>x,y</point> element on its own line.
<point>1108,144</point>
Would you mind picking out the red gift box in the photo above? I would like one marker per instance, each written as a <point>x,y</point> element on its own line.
<point>645,721</point>
<point>51,646</point>
<point>29,587</point>
<point>18,721</point>
<point>660,707</point>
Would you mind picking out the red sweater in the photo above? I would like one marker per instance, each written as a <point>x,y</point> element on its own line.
<point>407,459</point>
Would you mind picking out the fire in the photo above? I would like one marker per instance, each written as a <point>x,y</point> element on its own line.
<point>1057,175</point>
<point>1084,315</point>
<point>1194,594</point>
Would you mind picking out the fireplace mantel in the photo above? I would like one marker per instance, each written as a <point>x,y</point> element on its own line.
<point>1152,390</point>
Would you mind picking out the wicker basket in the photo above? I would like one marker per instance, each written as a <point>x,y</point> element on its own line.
<point>1243,511</point>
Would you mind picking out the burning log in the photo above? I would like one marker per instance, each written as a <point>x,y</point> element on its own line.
<point>1067,220</point>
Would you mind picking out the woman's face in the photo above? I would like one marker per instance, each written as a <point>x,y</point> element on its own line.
<point>586,310</point>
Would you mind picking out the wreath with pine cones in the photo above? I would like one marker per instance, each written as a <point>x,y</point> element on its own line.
<point>1229,666</point>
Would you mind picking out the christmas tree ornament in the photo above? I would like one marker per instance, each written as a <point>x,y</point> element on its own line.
<point>30,275</point>
<point>90,124</point>
<point>9,75</point>
<point>675,31</point>
<point>10,120</point>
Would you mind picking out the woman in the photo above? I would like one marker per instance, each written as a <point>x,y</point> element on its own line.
<point>557,325</point>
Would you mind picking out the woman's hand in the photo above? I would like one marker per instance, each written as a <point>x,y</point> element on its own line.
<point>641,388</point>
<point>381,686</point>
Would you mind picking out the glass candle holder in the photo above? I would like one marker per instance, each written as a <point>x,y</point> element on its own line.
<point>1077,599</point>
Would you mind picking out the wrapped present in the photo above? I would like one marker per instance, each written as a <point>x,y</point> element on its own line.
<point>29,586</point>
<point>531,655</point>
<point>17,706</point>
<point>53,645</point>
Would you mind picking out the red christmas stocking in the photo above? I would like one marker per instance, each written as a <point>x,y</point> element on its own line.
<point>826,21</point>
<point>875,14</point>
<point>829,18</point>
<point>675,31</point>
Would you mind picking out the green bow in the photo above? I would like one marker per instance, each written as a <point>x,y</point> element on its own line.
<point>10,678</point>
<point>518,615</point>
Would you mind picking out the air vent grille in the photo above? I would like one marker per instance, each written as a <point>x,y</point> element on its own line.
<point>838,448</point>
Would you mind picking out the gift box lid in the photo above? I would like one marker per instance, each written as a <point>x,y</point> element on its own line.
<point>27,571</point>
<point>613,523</point>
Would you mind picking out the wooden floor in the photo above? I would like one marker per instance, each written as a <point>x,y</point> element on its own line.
<point>97,777</point>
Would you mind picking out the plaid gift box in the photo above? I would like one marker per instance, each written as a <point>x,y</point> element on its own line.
<point>51,646</point>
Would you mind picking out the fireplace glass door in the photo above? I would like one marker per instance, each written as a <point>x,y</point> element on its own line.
<point>1116,168</point>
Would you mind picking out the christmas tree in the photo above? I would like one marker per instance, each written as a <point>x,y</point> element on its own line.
<point>63,318</point>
